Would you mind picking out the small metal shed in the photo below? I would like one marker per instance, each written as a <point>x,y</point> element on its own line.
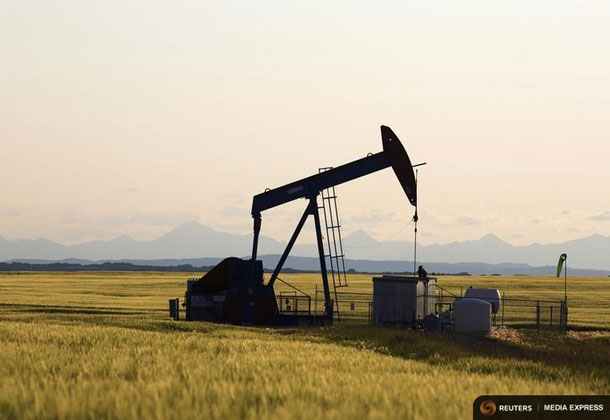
<point>402,300</point>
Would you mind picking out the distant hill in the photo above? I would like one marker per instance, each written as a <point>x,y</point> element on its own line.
<point>193,241</point>
<point>188,240</point>
<point>309,264</point>
<point>102,266</point>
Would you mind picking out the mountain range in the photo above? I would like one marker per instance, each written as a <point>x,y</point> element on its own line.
<point>310,264</point>
<point>195,241</point>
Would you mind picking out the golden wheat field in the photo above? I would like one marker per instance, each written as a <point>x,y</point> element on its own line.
<point>100,345</point>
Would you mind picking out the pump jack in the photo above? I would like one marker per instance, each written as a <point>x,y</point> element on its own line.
<point>234,291</point>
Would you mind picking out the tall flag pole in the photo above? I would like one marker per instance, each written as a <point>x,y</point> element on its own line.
<point>415,219</point>
<point>563,259</point>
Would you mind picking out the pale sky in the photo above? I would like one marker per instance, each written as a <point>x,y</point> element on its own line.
<point>131,117</point>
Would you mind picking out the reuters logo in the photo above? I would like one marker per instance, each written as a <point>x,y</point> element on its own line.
<point>488,408</point>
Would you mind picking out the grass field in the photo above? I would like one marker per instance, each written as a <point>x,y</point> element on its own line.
<point>91,345</point>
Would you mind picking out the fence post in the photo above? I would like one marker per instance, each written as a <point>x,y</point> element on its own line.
<point>538,315</point>
<point>441,301</point>
<point>174,309</point>
<point>503,305</point>
<point>565,317</point>
<point>308,305</point>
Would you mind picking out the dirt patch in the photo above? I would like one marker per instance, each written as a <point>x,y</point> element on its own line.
<point>506,334</point>
<point>584,335</point>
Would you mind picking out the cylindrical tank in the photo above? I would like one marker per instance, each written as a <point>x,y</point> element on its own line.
<point>472,315</point>
<point>490,295</point>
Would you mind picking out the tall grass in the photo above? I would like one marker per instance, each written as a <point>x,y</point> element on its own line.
<point>99,345</point>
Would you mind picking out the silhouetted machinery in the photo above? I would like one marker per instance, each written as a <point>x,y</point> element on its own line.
<point>234,291</point>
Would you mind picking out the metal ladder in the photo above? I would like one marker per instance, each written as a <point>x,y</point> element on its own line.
<point>335,255</point>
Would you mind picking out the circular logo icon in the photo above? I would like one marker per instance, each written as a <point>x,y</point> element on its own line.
<point>488,408</point>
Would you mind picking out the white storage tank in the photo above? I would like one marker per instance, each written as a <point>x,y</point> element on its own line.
<point>490,295</point>
<point>472,315</point>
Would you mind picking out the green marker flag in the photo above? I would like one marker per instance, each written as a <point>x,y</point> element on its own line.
<point>562,258</point>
